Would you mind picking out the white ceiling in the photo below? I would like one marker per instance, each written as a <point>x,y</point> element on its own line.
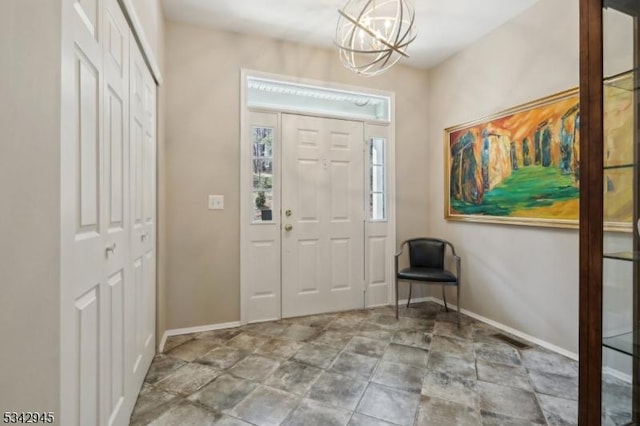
<point>444,26</point>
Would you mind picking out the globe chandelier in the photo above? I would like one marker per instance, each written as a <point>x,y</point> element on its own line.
<point>374,35</point>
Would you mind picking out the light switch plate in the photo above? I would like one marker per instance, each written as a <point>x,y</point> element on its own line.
<point>216,202</point>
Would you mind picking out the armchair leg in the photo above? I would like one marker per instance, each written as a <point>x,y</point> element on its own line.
<point>396,297</point>
<point>409,299</point>
<point>444,298</point>
<point>458,300</point>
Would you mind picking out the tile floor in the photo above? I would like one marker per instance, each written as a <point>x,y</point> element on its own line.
<point>357,368</point>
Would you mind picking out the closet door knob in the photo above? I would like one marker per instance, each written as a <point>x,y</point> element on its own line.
<point>111,249</point>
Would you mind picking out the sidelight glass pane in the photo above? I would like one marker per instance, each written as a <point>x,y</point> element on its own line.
<point>262,179</point>
<point>377,179</point>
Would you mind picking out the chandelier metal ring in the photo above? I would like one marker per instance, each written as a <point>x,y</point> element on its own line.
<point>374,35</point>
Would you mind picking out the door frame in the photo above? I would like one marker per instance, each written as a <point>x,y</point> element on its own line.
<point>268,234</point>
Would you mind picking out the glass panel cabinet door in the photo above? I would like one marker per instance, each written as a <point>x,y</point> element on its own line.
<point>621,258</point>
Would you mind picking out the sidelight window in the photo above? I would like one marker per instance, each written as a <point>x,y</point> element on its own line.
<point>262,159</point>
<point>377,180</point>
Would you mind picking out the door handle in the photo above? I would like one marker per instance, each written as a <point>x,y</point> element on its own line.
<point>288,227</point>
<point>110,249</point>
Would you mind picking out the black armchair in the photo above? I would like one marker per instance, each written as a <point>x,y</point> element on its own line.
<point>427,266</point>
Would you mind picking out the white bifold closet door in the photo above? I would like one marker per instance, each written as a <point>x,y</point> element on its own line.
<point>107,217</point>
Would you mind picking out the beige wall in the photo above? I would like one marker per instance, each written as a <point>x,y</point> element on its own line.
<point>526,278</point>
<point>202,78</point>
<point>30,194</point>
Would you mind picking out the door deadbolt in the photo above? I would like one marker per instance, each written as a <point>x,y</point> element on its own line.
<point>288,213</point>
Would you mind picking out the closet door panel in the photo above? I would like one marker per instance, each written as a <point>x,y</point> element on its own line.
<point>116,389</point>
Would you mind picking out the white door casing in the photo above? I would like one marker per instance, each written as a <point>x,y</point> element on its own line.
<point>262,264</point>
<point>380,235</point>
<point>322,238</point>
<point>261,241</point>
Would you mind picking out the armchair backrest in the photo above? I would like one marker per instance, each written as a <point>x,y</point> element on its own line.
<point>426,253</point>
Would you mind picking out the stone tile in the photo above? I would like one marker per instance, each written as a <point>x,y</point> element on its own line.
<point>345,324</point>
<point>220,337</point>
<point>452,365</point>
<point>559,411</point>
<point>452,316</point>
<point>333,338</point>
<point>512,402</point>
<point>495,419</point>
<point>316,321</point>
<point>317,355</point>
<point>374,331</point>
<point>162,366</point>
<point>402,354</point>
<point>254,367</point>
<point>187,414</point>
<point>385,319</point>
<point>483,331</point>
<point>312,413</point>
<point>222,357</point>
<point>365,346</point>
<point>450,329</point>
<point>188,379</point>
<point>554,384</point>
<point>415,324</point>
<point>354,365</point>
<point>452,388</point>
<point>173,342</point>
<point>400,376</point>
<point>500,353</point>
<point>265,406</point>
<point>232,421</point>
<point>454,346</point>
<point>542,360</point>
<point>151,404</point>
<point>280,348</point>
<point>301,333</point>
<point>355,315</point>
<point>361,420</point>
<point>247,341</point>
<point>337,390</point>
<point>418,339</point>
<point>270,328</point>
<point>294,377</point>
<point>434,411</point>
<point>502,374</point>
<point>224,392</point>
<point>388,404</point>
<point>192,349</point>
<point>616,400</point>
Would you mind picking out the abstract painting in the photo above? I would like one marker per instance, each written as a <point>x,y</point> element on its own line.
<point>520,166</point>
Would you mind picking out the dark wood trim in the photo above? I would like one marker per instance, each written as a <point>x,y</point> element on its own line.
<point>591,216</point>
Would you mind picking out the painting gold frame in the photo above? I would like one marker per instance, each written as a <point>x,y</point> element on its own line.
<point>516,167</point>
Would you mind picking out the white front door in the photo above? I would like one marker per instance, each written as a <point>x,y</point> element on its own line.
<point>322,215</point>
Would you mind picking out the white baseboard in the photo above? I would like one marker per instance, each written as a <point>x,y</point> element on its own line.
<point>500,326</point>
<point>617,374</point>
<point>520,334</point>
<point>199,329</point>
